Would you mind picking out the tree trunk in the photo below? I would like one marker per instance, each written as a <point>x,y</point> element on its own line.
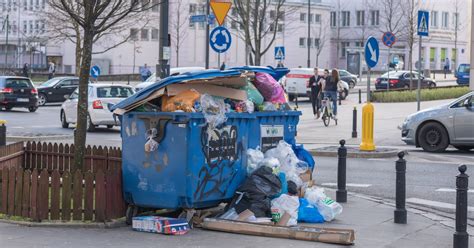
<point>81,125</point>
<point>78,50</point>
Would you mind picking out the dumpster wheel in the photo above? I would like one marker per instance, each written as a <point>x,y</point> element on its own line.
<point>132,211</point>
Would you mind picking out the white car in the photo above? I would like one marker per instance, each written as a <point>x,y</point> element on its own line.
<point>296,80</point>
<point>101,98</point>
<point>173,71</point>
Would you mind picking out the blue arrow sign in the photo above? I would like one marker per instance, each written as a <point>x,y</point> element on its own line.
<point>95,71</point>
<point>220,39</point>
<point>423,21</point>
<point>372,52</point>
<point>280,52</point>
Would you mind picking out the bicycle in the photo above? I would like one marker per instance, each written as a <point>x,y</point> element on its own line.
<point>327,112</point>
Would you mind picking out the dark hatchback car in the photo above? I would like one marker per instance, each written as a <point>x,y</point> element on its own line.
<point>55,89</point>
<point>348,77</point>
<point>401,80</point>
<point>18,92</point>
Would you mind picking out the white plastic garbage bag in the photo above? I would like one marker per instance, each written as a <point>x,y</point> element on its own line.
<point>289,162</point>
<point>254,157</point>
<point>288,204</point>
<point>328,208</point>
<point>214,110</point>
<point>272,163</point>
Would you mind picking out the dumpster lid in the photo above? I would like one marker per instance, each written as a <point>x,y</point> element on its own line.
<point>157,88</point>
<point>276,73</point>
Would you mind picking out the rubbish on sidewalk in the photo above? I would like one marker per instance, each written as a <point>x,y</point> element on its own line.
<point>158,224</point>
<point>285,204</point>
<point>328,208</point>
<point>304,155</point>
<point>254,157</point>
<point>319,234</point>
<point>308,213</point>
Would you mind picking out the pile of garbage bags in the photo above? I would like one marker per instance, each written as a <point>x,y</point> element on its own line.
<point>278,189</point>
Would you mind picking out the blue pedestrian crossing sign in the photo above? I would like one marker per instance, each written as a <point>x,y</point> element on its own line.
<point>372,52</point>
<point>95,71</point>
<point>220,39</point>
<point>280,52</point>
<point>423,21</point>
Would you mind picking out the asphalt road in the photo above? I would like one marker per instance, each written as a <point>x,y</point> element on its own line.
<point>429,184</point>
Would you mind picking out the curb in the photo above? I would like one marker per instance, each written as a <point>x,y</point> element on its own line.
<point>38,138</point>
<point>323,152</point>
<point>94,225</point>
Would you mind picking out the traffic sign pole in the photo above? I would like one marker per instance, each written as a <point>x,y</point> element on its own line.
<point>419,76</point>
<point>368,85</point>
<point>207,34</point>
<point>388,70</point>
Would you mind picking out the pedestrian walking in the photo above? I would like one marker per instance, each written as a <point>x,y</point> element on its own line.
<point>446,66</point>
<point>145,72</point>
<point>222,66</point>
<point>331,89</point>
<point>51,70</point>
<point>26,70</point>
<point>315,86</point>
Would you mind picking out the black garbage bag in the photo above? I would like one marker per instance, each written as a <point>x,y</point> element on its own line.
<point>292,188</point>
<point>256,192</point>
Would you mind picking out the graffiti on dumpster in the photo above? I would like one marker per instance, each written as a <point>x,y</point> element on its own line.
<point>221,151</point>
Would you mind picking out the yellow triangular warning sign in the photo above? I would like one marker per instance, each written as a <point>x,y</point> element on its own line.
<point>220,9</point>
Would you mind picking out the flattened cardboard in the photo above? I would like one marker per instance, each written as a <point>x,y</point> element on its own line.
<point>236,82</point>
<point>319,234</point>
<point>245,215</point>
<point>210,89</point>
<point>284,219</point>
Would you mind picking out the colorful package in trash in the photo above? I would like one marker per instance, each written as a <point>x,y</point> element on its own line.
<point>183,101</point>
<point>270,89</point>
<point>157,224</point>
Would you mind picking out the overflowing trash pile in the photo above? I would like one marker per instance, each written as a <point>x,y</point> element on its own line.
<point>279,189</point>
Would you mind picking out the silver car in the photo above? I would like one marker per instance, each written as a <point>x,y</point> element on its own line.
<point>436,128</point>
<point>101,98</point>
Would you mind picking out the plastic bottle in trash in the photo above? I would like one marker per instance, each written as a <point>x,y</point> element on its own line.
<point>329,208</point>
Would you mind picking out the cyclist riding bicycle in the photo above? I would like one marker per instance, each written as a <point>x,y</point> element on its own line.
<point>333,85</point>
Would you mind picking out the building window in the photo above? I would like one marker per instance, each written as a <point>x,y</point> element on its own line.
<point>302,42</point>
<point>445,20</point>
<point>145,5</point>
<point>360,18</point>
<point>144,34</point>
<point>272,14</point>
<point>316,43</point>
<point>192,8</point>
<point>333,19</point>
<point>443,55</point>
<point>453,56</point>
<point>359,44</point>
<point>374,17</point>
<point>346,18</point>
<point>432,54</point>
<point>31,27</point>
<point>310,42</point>
<point>42,26</point>
<point>25,27</point>
<point>134,34</point>
<point>344,46</point>
<point>37,26</point>
<point>154,34</point>
<point>233,25</point>
<point>155,6</point>
<point>434,19</point>
<point>311,18</point>
<point>280,28</point>
<point>25,5</point>
<point>456,21</point>
<point>303,17</point>
<point>317,18</point>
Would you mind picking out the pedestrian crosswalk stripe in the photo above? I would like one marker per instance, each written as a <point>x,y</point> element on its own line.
<point>452,190</point>
<point>435,204</point>
<point>356,185</point>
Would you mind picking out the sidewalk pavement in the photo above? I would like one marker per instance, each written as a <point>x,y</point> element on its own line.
<point>371,219</point>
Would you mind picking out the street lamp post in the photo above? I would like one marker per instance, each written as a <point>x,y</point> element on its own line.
<point>309,34</point>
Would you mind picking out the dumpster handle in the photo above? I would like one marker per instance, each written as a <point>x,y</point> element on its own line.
<point>161,130</point>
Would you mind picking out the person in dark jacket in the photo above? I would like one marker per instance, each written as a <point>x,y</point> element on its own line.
<point>26,70</point>
<point>315,87</point>
<point>330,90</point>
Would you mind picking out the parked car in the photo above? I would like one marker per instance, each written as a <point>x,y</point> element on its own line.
<point>173,71</point>
<point>101,98</point>
<point>401,80</point>
<point>349,78</point>
<point>55,89</point>
<point>295,83</point>
<point>449,124</point>
<point>18,92</point>
<point>463,74</point>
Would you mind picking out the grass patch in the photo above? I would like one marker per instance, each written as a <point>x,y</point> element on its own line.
<point>14,218</point>
<point>426,94</point>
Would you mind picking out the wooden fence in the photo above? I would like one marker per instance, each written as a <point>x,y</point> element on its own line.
<point>43,195</point>
<point>12,155</point>
<point>38,181</point>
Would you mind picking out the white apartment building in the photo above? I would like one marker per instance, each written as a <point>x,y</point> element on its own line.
<point>352,21</point>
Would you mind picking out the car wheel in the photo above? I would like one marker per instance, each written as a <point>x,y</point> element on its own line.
<point>344,94</point>
<point>352,84</point>
<point>431,85</point>
<point>64,123</point>
<point>8,108</point>
<point>90,126</point>
<point>32,109</point>
<point>433,137</point>
<point>42,99</point>
<point>464,148</point>
<point>110,126</point>
<point>406,86</point>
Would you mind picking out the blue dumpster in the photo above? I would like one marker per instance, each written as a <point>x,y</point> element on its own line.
<point>192,167</point>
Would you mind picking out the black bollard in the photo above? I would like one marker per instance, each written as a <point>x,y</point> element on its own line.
<point>354,123</point>
<point>461,237</point>
<point>340,98</point>
<point>296,100</point>
<point>341,193</point>
<point>3,133</point>
<point>400,190</point>
<point>360,96</point>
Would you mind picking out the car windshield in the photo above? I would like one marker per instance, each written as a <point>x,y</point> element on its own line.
<point>463,68</point>
<point>392,74</point>
<point>114,92</point>
<point>18,83</point>
<point>50,82</point>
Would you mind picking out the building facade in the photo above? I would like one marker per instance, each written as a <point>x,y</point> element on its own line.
<point>353,21</point>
